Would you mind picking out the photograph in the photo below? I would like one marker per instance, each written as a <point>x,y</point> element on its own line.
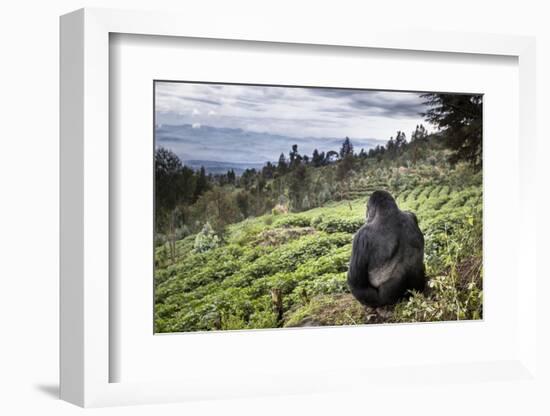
<point>286,206</point>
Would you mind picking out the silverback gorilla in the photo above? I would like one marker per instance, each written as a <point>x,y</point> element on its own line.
<point>387,257</point>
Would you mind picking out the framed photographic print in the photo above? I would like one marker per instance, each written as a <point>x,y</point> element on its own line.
<point>245,215</point>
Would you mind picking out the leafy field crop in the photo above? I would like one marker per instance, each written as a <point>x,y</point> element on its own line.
<point>289,269</point>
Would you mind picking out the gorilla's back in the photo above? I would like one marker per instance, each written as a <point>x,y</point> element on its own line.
<point>395,247</point>
<point>387,256</point>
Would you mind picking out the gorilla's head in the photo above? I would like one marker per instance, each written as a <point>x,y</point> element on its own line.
<point>380,204</point>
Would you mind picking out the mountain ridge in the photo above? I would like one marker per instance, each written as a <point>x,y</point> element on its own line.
<point>212,144</point>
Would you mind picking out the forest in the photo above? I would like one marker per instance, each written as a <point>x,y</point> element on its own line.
<point>270,247</point>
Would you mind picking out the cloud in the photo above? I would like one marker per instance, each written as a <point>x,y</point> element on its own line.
<point>175,95</point>
<point>389,104</point>
<point>289,111</point>
<point>196,125</point>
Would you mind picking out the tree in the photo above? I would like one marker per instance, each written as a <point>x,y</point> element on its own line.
<point>346,149</point>
<point>377,152</point>
<point>417,137</point>
<point>243,202</point>
<point>390,147</point>
<point>305,203</point>
<point>247,178</point>
<point>268,171</point>
<point>202,183</point>
<point>294,156</point>
<point>282,166</point>
<point>459,118</point>
<point>420,133</point>
<point>344,167</point>
<point>174,184</point>
<point>400,140</point>
<point>298,186</point>
<point>321,191</point>
<point>167,170</point>
<point>218,207</point>
<point>316,158</point>
<point>331,157</point>
<point>231,177</point>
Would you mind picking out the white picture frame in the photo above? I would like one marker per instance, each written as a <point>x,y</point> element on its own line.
<point>85,216</point>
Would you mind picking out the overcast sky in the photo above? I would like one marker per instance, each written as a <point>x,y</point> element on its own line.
<point>294,112</point>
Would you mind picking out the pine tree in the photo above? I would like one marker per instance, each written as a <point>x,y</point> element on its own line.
<point>346,149</point>
<point>282,166</point>
<point>459,118</point>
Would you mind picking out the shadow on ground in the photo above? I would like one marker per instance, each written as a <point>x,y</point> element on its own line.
<point>51,390</point>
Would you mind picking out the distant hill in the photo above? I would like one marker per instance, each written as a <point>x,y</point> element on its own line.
<point>220,148</point>
<point>215,167</point>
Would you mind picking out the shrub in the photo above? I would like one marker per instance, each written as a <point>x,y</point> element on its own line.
<point>206,239</point>
<point>263,319</point>
<point>446,302</point>
<point>279,209</point>
<point>335,225</point>
<point>292,221</point>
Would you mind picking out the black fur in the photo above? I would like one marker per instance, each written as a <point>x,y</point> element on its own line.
<point>387,258</point>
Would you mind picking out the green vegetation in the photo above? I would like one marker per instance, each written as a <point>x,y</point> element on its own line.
<point>289,269</point>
